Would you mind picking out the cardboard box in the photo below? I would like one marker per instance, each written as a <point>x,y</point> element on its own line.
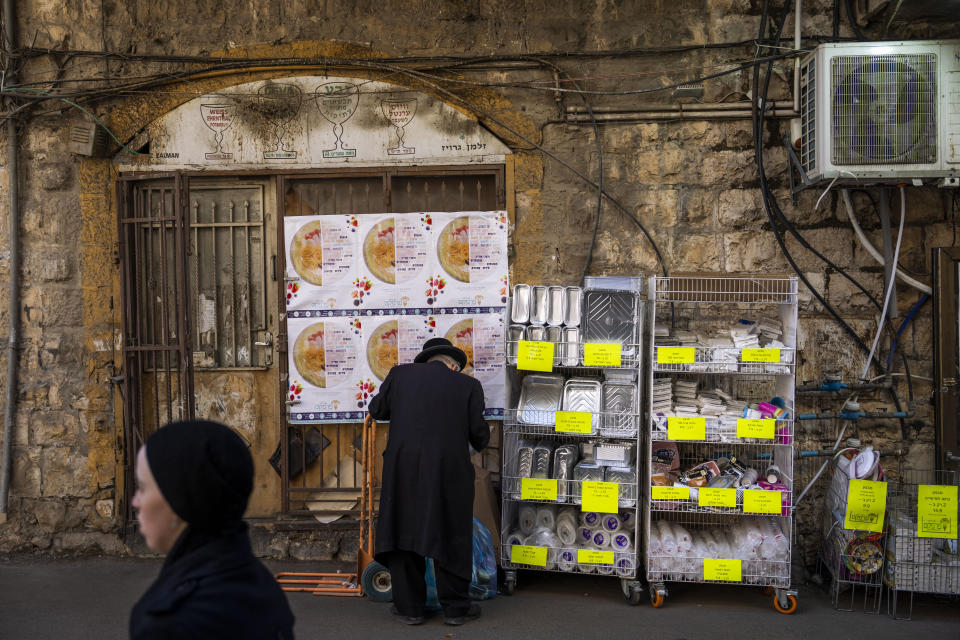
<point>486,509</point>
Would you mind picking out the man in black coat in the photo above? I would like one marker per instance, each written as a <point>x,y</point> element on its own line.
<point>426,503</point>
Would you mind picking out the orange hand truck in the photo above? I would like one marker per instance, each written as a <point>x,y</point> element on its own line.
<point>371,577</point>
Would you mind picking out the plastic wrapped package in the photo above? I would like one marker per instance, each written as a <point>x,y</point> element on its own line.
<point>547,516</point>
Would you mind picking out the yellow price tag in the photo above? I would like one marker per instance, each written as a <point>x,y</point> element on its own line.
<point>759,355</point>
<point>686,428</point>
<point>722,569</point>
<point>535,556</point>
<point>676,355</point>
<point>538,489</point>
<point>760,501</point>
<point>535,356</point>
<point>756,428</point>
<point>574,422</point>
<point>708,497</point>
<point>936,511</point>
<point>866,504</point>
<point>602,497</point>
<point>601,355</point>
<point>670,493</point>
<point>594,556</point>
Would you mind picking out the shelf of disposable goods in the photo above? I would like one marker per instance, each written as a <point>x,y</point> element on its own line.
<point>719,442</point>
<point>538,532</point>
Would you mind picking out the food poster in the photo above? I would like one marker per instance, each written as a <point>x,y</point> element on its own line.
<point>391,281</point>
<point>470,259</point>
<point>326,376</point>
<point>396,251</point>
<point>480,336</point>
<point>322,255</point>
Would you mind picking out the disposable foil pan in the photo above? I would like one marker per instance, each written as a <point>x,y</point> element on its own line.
<point>584,471</point>
<point>524,461</point>
<point>610,317</point>
<point>574,298</point>
<point>540,398</point>
<point>535,333</point>
<point>627,477</point>
<point>541,460</point>
<point>539,305</point>
<point>564,460</point>
<point>557,299</point>
<point>520,303</point>
<point>583,394</point>
<point>619,410</point>
<point>570,349</point>
<point>614,454</point>
<point>554,334</point>
<point>514,335</point>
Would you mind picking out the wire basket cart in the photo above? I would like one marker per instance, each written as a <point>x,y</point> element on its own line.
<point>921,544</point>
<point>717,503</point>
<point>852,556</point>
<point>573,429</point>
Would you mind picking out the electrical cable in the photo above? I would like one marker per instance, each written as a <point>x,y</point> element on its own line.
<point>852,18</point>
<point>923,298</point>
<point>876,211</point>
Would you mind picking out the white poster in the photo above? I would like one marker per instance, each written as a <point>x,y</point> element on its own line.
<point>364,292</point>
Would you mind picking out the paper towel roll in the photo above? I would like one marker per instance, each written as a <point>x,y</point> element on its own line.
<point>611,522</point>
<point>527,518</point>
<point>624,565</point>
<point>621,541</point>
<point>547,516</point>
<point>590,518</point>
<point>567,559</point>
<point>566,531</point>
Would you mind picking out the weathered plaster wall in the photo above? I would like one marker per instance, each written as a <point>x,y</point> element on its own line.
<point>693,184</point>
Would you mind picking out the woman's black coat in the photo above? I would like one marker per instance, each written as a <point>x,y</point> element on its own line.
<point>426,503</point>
<point>213,587</point>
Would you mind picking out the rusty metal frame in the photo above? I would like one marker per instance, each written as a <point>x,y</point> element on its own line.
<point>946,354</point>
<point>167,352</point>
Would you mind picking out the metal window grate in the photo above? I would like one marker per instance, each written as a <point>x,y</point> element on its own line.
<point>884,109</point>
<point>226,266</point>
<point>699,289</point>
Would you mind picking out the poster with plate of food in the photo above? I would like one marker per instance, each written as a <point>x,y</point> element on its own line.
<point>396,255</point>
<point>470,251</point>
<point>322,259</point>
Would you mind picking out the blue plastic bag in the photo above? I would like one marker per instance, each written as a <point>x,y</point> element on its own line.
<point>483,583</point>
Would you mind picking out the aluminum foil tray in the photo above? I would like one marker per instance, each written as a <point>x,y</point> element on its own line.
<point>520,304</point>
<point>619,410</point>
<point>610,316</point>
<point>583,394</point>
<point>540,398</point>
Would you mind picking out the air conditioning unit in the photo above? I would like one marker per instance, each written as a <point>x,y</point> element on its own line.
<point>876,112</point>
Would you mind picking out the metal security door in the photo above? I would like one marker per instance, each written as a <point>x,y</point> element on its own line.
<point>157,365</point>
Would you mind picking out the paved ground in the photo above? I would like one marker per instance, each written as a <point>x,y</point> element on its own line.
<point>91,598</point>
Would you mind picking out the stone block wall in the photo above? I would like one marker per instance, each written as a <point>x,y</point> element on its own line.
<point>693,184</point>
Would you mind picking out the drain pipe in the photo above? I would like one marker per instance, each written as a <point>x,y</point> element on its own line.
<point>13,169</point>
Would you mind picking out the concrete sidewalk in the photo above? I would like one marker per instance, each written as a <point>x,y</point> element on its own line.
<point>91,598</point>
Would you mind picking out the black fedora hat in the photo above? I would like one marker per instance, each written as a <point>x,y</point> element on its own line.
<point>441,346</point>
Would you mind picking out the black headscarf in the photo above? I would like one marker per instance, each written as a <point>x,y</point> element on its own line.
<point>204,471</point>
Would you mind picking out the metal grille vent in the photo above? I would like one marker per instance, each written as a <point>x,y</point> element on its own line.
<point>884,109</point>
<point>808,115</point>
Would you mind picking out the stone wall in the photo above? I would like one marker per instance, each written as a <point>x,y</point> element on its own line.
<point>692,183</point>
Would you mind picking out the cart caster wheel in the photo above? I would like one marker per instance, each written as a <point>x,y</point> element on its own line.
<point>657,596</point>
<point>788,606</point>
<point>376,582</point>
<point>509,587</point>
<point>632,591</point>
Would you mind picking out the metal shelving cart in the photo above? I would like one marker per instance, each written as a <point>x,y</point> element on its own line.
<point>717,502</point>
<point>547,461</point>
<point>924,558</point>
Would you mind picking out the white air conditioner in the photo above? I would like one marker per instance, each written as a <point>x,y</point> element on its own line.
<point>874,112</point>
